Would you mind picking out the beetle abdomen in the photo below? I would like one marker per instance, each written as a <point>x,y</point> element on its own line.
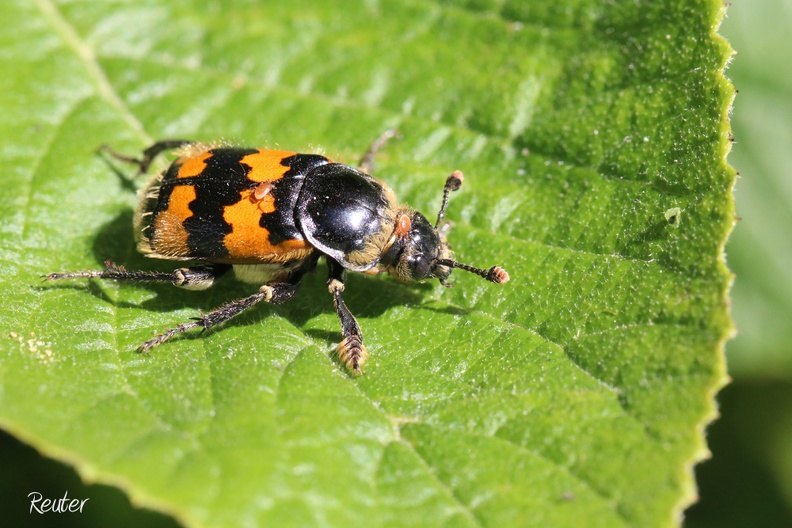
<point>227,205</point>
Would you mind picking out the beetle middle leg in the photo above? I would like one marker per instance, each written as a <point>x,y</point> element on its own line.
<point>194,278</point>
<point>366,163</point>
<point>276,293</point>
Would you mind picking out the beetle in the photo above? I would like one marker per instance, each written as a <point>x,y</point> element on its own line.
<point>270,215</point>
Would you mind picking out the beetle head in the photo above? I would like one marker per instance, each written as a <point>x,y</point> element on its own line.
<point>419,250</point>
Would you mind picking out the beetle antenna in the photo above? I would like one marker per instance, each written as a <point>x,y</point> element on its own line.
<point>495,274</point>
<point>453,183</point>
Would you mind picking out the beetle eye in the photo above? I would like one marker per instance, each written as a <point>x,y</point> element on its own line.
<point>423,248</point>
<point>420,266</point>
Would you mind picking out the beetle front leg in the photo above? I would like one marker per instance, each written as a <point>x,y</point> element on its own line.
<point>350,350</point>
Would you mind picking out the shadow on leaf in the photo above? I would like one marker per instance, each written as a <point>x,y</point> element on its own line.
<point>367,297</point>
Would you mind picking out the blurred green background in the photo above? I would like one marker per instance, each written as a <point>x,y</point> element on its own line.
<point>749,480</point>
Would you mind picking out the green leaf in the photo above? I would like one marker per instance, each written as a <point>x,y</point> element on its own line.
<point>593,138</point>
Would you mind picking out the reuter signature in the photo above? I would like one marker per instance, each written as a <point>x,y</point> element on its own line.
<point>55,505</point>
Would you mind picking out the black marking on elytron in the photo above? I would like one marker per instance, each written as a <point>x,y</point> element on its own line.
<point>160,194</point>
<point>217,186</point>
<point>282,224</point>
<point>161,199</point>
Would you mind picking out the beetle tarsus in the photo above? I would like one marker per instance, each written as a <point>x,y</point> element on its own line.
<point>167,335</point>
<point>352,354</point>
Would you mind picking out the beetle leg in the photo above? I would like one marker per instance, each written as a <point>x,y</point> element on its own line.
<point>149,154</point>
<point>350,350</point>
<point>366,164</point>
<point>195,278</point>
<point>276,293</point>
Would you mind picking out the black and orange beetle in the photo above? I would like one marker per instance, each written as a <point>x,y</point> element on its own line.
<point>270,215</point>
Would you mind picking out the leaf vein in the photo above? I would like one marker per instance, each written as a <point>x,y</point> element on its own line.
<point>87,56</point>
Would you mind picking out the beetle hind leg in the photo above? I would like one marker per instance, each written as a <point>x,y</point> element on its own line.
<point>143,163</point>
<point>194,278</point>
